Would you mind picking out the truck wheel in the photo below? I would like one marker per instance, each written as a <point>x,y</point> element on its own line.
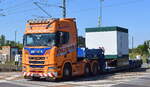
<point>35,78</point>
<point>25,77</point>
<point>87,70</point>
<point>95,69</point>
<point>67,72</point>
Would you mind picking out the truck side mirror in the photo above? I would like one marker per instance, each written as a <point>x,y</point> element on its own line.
<point>57,39</point>
<point>61,36</point>
<point>24,36</point>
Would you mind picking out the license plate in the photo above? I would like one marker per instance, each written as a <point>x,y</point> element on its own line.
<point>35,75</point>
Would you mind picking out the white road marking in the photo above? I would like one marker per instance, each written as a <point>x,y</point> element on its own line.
<point>102,85</point>
<point>12,77</point>
<point>3,81</point>
<point>98,81</point>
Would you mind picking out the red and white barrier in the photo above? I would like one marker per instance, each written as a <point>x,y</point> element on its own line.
<point>52,74</point>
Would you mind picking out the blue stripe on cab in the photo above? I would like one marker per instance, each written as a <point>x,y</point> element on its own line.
<point>37,51</point>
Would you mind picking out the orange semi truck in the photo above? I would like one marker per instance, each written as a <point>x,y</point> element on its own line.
<point>50,51</point>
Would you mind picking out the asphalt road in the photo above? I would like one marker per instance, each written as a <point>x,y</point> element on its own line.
<point>134,78</point>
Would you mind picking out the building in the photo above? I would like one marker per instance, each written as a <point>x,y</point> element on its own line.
<point>7,53</point>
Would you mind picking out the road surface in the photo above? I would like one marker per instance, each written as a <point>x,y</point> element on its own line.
<point>135,78</point>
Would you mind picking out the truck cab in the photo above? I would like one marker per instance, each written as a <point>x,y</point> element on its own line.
<point>49,46</point>
<point>50,51</point>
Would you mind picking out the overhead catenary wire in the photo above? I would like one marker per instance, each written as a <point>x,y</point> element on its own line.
<point>107,6</point>
<point>75,12</point>
<point>48,5</point>
<point>21,12</point>
<point>12,8</point>
<point>1,14</point>
<point>17,5</point>
<point>63,7</point>
<point>16,10</point>
<point>124,3</point>
<point>37,16</point>
<point>42,9</point>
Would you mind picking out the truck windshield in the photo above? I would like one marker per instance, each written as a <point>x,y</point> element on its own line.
<point>39,40</point>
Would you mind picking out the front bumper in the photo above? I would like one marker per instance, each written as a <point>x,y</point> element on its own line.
<point>41,75</point>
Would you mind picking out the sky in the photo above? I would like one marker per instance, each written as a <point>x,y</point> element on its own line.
<point>131,14</point>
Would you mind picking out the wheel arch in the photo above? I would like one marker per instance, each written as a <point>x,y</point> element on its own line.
<point>65,63</point>
<point>94,62</point>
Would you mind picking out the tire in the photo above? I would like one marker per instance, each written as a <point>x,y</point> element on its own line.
<point>87,70</point>
<point>95,69</point>
<point>53,80</point>
<point>67,72</point>
<point>35,78</point>
<point>26,77</point>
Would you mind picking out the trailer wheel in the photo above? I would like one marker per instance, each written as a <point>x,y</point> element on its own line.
<point>87,70</point>
<point>67,72</point>
<point>95,69</point>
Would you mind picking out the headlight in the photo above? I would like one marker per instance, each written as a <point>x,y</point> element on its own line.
<point>24,67</point>
<point>52,67</point>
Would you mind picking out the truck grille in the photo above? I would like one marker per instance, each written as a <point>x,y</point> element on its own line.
<point>36,71</point>
<point>36,62</point>
<point>37,58</point>
<point>37,66</point>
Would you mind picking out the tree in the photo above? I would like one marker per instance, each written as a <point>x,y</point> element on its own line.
<point>141,50</point>
<point>12,43</point>
<point>148,43</point>
<point>8,43</point>
<point>19,45</point>
<point>2,40</point>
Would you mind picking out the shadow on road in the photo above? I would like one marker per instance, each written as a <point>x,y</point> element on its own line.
<point>101,76</point>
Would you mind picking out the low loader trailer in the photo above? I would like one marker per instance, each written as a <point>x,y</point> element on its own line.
<point>51,51</point>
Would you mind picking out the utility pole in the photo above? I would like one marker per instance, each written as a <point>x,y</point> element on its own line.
<point>149,47</point>
<point>15,37</point>
<point>100,16</point>
<point>132,42</point>
<point>64,8</point>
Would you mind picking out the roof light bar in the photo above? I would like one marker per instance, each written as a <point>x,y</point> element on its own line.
<point>40,20</point>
